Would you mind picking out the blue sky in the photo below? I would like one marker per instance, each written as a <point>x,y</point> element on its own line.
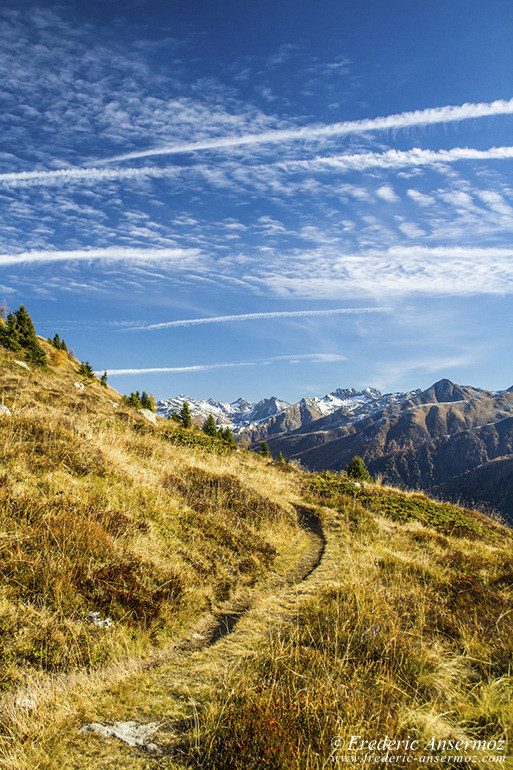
<point>331,181</point>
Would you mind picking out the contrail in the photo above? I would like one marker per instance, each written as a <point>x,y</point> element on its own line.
<point>359,161</point>
<point>427,117</point>
<point>326,357</point>
<point>182,256</point>
<point>90,174</point>
<point>258,316</point>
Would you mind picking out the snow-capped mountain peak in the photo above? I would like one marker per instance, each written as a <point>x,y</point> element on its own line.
<point>242,414</point>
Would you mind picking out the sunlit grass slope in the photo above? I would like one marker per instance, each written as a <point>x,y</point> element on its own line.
<point>148,526</point>
<point>409,633</point>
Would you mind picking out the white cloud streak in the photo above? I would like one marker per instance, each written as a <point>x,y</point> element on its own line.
<point>431,116</point>
<point>363,161</point>
<point>319,357</point>
<point>184,257</point>
<point>397,159</point>
<point>260,316</point>
<point>63,175</point>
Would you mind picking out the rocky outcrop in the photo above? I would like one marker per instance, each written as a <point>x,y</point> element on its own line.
<point>148,415</point>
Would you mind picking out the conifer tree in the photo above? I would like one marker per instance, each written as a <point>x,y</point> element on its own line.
<point>209,426</point>
<point>103,380</point>
<point>133,400</point>
<point>86,370</point>
<point>281,458</point>
<point>185,415</point>
<point>27,337</point>
<point>357,469</point>
<point>9,335</point>
<point>175,417</point>
<point>56,342</point>
<point>228,437</point>
<point>264,450</point>
<point>152,404</point>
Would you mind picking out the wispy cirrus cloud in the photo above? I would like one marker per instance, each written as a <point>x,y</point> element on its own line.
<point>395,272</point>
<point>390,372</point>
<point>291,358</point>
<point>432,116</point>
<point>392,159</point>
<point>260,316</point>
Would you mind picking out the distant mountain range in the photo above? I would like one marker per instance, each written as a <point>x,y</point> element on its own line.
<point>451,440</point>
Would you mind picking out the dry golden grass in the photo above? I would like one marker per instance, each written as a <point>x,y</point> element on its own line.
<point>411,635</point>
<point>101,512</point>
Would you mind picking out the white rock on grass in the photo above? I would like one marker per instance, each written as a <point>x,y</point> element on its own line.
<point>131,733</point>
<point>4,411</point>
<point>22,364</point>
<point>149,415</point>
<point>79,385</point>
<point>96,619</point>
<point>26,702</point>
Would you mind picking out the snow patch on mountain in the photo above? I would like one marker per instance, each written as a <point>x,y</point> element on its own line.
<point>242,414</point>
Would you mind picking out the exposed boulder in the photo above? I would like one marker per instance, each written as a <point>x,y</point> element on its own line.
<point>131,733</point>
<point>151,416</point>
<point>23,365</point>
<point>4,412</point>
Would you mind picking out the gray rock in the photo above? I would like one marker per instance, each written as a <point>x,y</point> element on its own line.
<point>149,415</point>
<point>4,411</point>
<point>79,385</point>
<point>23,365</point>
<point>131,733</point>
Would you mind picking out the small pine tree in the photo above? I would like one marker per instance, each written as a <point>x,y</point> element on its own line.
<point>133,400</point>
<point>175,417</point>
<point>9,334</point>
<point>185,415</point>
<point>357,469</point>
<point>103,380</point>
<point>281,458</point>
<point>264,450</point>
<point>152,404</point>
<point>86,370</point>
<point>56,342</point>
<point>145,400</point>
<point>228,437</point>
<point>27,337</point>
<point>209,426</point>
<point>63,345</point>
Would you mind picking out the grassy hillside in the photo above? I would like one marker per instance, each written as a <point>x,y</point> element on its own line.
<point>251,611</point>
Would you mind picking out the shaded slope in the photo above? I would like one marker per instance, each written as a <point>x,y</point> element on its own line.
<point>489,486</point>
